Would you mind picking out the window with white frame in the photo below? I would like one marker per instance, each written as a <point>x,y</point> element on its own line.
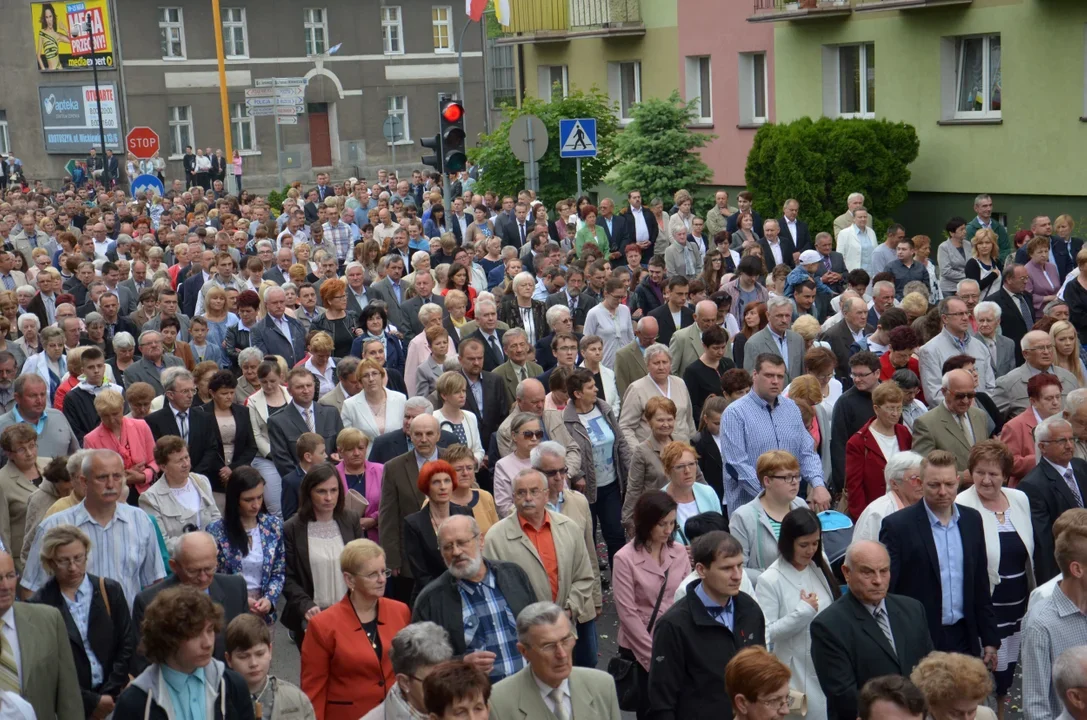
<point>625,86</point>
<point>698,86</point>
<point>316,26</point>
<point>503,75</point>
<point>5,140</point>
<point>752,88</point>
<point>243,128</point>
<point>235,38</point>
<point>855,79</point>
<point>172,31</point>
<point>392,30</point>
<point>181,135</point>
<point>977,79</point>
<point>553,82</point>
<point>398,107</point>
<point>441,17</point>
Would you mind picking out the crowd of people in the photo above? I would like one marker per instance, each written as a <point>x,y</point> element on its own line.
<point>832,477</point>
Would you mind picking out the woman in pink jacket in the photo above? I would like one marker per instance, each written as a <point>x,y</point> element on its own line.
<point>128,437</point>
<point>363,477</point>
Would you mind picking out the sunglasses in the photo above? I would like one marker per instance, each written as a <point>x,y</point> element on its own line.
<point>965,395</point>
<point>529,434</point>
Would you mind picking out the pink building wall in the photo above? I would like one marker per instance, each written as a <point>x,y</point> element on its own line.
<point>719,29</point>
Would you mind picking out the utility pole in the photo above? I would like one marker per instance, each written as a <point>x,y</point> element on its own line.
<point>97,90</point>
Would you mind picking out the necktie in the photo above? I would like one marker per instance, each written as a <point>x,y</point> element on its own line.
<point>183,419</point>
<point>826,263</point>
<point>522,234</point>
<point>1023,308</point>
<point>522,373</point>
<point>885,625</point>
<point>967,431</point>
<point>1073,486</point>
<point>556,697</point>
<point>9,671</point>
<point>496,348</point>
<point>308,417</point>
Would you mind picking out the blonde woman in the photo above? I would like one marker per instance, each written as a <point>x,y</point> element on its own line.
<point>376,409</point>
<point>452,388</point>
<point>683,217</point>
<point>1066,347</point>
<point>954,685</point>
<point>983,266</point>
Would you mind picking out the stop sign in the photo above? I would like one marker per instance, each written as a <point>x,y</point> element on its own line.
<point>143,142</point>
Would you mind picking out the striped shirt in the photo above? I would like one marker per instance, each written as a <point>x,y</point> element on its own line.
<point>126,550</point>
<point>1051,627</point>
<point>340,236</point>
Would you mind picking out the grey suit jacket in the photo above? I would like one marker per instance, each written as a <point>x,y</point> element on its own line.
<point>126,297</point>
<point>592,695</point>
<point>49,676</point>
<point>143,371</point>
<point>939,430</point>
<point>411,311</point>
<point>763,342</point>
<point>629,367</point>
<point>286,425</point>
<point>935,352</point>
<point>334,398</point>
<point>1011,389</point>
<point>686,346</point>
<point>153,324</point>
<point>1004,355</point>
<point>383,290</point>
<point>509,377</point>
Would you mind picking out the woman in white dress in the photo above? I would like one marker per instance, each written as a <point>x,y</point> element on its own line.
<point>377,409</point>
<point>791,592</point>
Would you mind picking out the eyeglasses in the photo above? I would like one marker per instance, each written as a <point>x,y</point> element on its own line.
<point>549,474</point>
<point>69,563</point>
<point>529,434</point>
<point>964,313</point>
<point>786,478</point>
<point>526,492</point>
<point>375,576</point>
<point>551,648</point>
<point>458,544</point>
<point>683,467</point>
<point>862,376</point>
<point>1058,441</point>
<point>776,703</point>
<point>964,395</point>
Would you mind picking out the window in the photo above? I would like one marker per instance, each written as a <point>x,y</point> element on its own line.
<point>625,86</point>
<point>977,77</point>
<point>698,86</point>
<point>181,134</point>
<point>243,128</point>
<point>442,20</point>
<point>392,30</point>
<point>172,30</point>
<point>856,78</point>
<point>5,140</point>
<point>753,90</point>
<point>235,39</point>
<point>553,81</point>
<point>503,76</point>
<point>316,24</point>
<point>398,107</point>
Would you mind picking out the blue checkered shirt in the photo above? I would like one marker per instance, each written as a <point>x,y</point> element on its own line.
<point>80,608</point>
<point>340,235</point>
<point>489,625</point>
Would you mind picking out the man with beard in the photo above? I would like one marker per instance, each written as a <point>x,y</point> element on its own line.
<point>496,592</point>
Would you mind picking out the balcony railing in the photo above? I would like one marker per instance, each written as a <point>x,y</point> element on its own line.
<point>559,20</point>
<point>783,10</point>
<point>884,5</point>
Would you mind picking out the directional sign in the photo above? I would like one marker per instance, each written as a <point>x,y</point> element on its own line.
<point>259,92</point>
<point>289,91</point>
<point>286,119</point>
<point>290,101</point>
<point>70,167</point>
<point>148,184</point>
<point>577,138</point>
<point>288,110</point>
<point>260,111</point>
<point>279,82</point>
<point>260,102</point>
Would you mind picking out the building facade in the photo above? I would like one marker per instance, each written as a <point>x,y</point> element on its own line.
<point>391,61</point>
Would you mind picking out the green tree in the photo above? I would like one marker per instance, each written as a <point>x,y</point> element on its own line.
<point>819,163</point>
<point>657,150</point>
<point>505,174</point>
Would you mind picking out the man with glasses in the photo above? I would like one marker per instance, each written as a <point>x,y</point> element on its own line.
<point>955,339</point>
<point>852,410</point>
<point>1011,389</point>
<point>955,425</point>
<point>177,417</point>
<point>476,599</point>
<point>193,561</point>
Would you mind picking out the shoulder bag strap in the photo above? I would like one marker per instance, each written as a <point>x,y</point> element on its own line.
<point>105,597</point>
<point>657,605</point>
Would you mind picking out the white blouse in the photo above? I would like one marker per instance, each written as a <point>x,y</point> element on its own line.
<point>253,563</point>
<point>325,546</point>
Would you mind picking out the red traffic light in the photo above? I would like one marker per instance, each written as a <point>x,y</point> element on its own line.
<point>453,112</point>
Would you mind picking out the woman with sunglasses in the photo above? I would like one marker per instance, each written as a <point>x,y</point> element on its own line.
<point>526,432</point>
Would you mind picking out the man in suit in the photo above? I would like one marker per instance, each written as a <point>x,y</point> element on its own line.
<point>744,200</point>
<point>515,232</point>
<point>10,278</point>
<point>178,417</point>
<point>867,632</point>
<point>639,227</point>
<point>849,336</point>
<point>1011,389</point>
<point>675,304</point>
<point>954,425</point>
<point>189,291</point>
<point>776,248</point>
<point>300,415</point>
<point>188,162</point>
<point>394,443</point>
<point>279,333</point>
<point>792,229</point>
<point>853,203</point>
<point>937,550</point>
<point>573,297</point>
<point>718,215</point>
<point>278,272</point>
<point>686,344</point>
<point>424,293</point>
<point>487,396</point>
<point>193,561</point>
<point>517,366</point>
<point>389,290</point>
<point>777,338</point>
<point>489,334</point>
<point>111,172</point>
<point>1016,308</point>
<point>42,670</point>
<point>612,224</point>
<point>347,385</point>
<point>630,360</point>
<point>950,342</point>
<point>151,366</point>
<point>1058,483</point>
<point>581,692</point>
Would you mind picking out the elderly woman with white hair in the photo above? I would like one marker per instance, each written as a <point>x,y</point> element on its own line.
<point>521,311</point>
<point>29,327</point>
<point>416,651</point>
<point>903,475</point>
<point>430,315</point>
<point>659,382</point>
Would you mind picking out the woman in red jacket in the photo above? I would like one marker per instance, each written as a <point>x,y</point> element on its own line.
<point>345,673</point>
<point>867,452</point>
<point>902,343</point>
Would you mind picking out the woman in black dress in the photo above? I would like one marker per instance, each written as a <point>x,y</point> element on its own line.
<point>703,376</point>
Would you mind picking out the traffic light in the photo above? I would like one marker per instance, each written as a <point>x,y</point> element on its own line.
<point>451,113</point>
<point>434,144</point>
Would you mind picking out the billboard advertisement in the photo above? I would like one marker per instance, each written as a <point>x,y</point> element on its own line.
<point>70,118</point>
<point>61,41</point>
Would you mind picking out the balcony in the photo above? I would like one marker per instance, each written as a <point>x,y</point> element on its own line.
<point>540,21</point>
<point>884,5</point>
<point>799,10</point>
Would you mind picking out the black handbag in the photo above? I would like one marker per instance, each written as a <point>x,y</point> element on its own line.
<point>625,671</point>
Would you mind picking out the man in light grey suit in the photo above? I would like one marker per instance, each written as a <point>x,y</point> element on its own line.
<point>149,368</point>
<point>348,385</point>
<point>954,339</point>
<point>776,338</point>
<point>138,282</point>
<point>1011,389</point>
<point>390,291</point>
<point>1001,348</point>
<point>686,344</point>
<point>546,640</point>
<point>279,333</point>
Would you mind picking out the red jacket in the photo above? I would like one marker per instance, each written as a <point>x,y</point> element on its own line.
<point>886,370</point>
<point>1018,435</point>
<point>864,463</point>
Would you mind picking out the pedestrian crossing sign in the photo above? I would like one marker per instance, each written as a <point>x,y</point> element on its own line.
<point>577,138</point>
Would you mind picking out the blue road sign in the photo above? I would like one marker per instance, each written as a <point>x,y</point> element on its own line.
<point>149,184</point>
<point>577,138</point>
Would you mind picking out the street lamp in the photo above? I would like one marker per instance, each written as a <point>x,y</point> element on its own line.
<point>88,27</point>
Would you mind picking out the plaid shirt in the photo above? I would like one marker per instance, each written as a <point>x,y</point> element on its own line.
<point>1052,627</point>
<point>489,625</point>
<point>340,235</point>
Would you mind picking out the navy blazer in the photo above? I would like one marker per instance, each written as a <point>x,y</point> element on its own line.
<point>630,229</point>
<point>188,292</point>
<point>802,241</point>
<point>915,570</point>
<point>1049,497</point>
<point>271,341</point>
